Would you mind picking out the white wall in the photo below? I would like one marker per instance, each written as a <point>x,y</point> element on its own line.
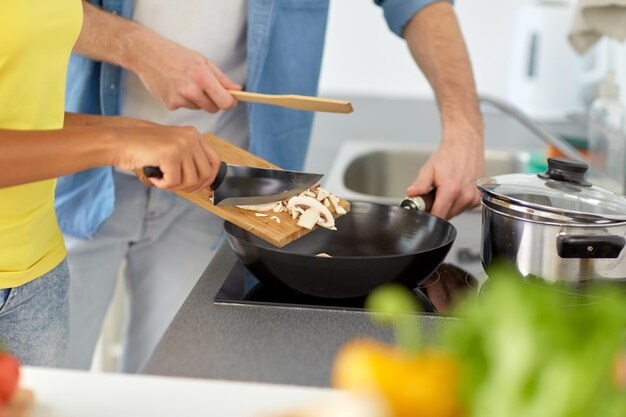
<point>363,57</point>
<point>619,65</point>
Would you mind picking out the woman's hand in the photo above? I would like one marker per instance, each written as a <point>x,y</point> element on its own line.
<point>187,161</point>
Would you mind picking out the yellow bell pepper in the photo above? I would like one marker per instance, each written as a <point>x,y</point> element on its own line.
<point>423,384</point>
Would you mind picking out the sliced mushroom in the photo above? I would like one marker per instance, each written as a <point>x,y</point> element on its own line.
<point>260,207</point>
<point>335,202</point>
<point>304,203</point>
<point>309,218</point>
<point>315,203</point>
<point>322,194</point>
<point>327,221</point>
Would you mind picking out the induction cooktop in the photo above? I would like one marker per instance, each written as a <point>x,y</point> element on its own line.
<point>435,295</point>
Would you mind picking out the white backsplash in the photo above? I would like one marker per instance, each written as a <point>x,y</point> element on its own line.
<point>363,58</point>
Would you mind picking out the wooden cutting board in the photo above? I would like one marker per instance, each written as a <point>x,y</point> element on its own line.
<point>278,234</point>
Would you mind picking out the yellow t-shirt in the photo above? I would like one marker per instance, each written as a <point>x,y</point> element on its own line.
<point>36,38</point>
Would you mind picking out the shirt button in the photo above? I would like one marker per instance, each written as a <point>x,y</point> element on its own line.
<point>112,87</point>
<point>115,12</point>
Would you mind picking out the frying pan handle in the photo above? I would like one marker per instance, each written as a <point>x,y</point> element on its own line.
<point>422,203</point>
<point>155,172</point>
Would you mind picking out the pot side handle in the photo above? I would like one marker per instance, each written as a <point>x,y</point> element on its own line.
<point>589,247</point>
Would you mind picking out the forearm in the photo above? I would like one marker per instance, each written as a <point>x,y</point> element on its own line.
<point>110,38</point>
<point>173,74</point>
<point>89,120</point>
<point>435,40</point>
<point>29,156</point>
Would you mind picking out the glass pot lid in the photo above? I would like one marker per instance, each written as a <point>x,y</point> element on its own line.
<point>562,189</point>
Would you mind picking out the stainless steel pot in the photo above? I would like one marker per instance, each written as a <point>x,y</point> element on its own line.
<point>555,225</point>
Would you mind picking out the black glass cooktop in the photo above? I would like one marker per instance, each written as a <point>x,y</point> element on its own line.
<point>435,294</point>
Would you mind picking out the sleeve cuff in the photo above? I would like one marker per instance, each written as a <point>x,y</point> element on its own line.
<point>399,12</point>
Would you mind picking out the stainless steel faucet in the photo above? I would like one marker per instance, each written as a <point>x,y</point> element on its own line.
<point>510,110</point>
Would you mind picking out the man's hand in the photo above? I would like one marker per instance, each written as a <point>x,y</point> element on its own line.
<point>180,77</point>
<point>174,75</point>
<point>453,169</point>
<point>435,40</point>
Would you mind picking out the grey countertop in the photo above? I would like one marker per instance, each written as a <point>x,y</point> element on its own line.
<point>297,345</point>
<point>283,345</point>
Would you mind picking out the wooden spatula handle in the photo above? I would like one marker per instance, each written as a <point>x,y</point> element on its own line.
<point>294,101</point>
<point>422,203</point>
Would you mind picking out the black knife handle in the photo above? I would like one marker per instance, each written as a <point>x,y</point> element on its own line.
<point>155,172</point>
<point>152,172</point>
<point>221,174</point>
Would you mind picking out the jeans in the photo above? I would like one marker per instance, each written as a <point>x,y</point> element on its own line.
<point>34,319</point>
<point>167,243</point>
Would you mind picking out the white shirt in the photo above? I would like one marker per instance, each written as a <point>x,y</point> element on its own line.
<point>214,28</point>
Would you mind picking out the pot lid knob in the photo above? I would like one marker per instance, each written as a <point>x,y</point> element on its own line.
<point>566,170</point>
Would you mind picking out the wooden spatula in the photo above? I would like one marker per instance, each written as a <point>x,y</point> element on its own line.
<point>297,102</point>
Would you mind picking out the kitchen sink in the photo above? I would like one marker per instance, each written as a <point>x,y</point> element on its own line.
<point>380,172</point>
<point>387,172</point>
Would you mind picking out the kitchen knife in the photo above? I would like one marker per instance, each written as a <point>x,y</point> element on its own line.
<point>243,185</point>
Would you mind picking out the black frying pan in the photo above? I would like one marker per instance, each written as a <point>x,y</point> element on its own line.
<point>374,244</point>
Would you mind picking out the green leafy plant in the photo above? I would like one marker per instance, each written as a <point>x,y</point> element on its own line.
<point>532,349</point>
<point>393,305</point>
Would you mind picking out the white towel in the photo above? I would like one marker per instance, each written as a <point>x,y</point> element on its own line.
<point>596,18</point>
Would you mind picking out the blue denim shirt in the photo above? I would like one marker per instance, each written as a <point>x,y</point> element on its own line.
<point>285,40</point>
